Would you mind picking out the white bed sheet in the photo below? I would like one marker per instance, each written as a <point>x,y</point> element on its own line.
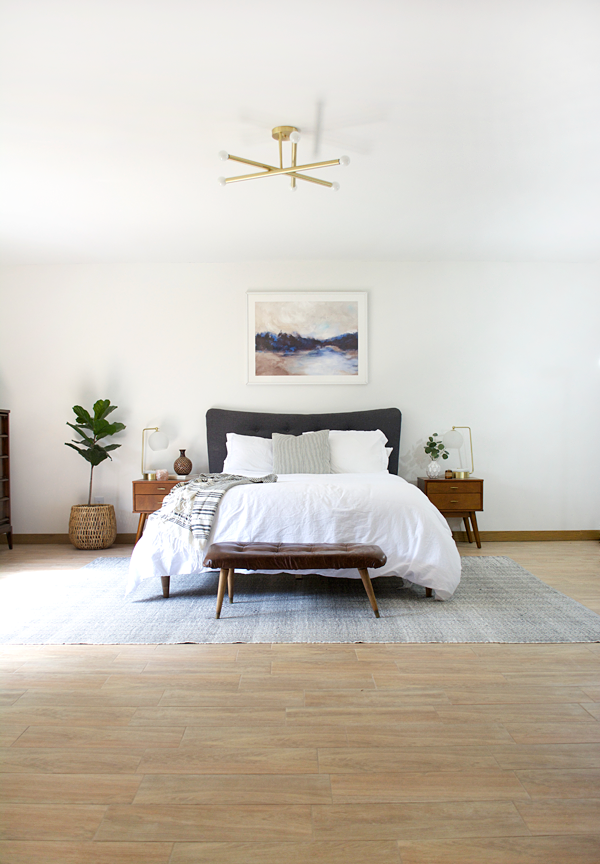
<point>317,508</point>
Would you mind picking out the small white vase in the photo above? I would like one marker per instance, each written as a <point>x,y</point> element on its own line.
<point>434,469</point>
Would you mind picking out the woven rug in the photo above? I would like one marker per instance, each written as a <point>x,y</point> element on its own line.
<point>496,601</point>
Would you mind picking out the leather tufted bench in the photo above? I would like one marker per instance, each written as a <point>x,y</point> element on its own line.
<point>229,557</point>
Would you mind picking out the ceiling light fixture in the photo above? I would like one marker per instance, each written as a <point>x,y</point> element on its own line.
<point>281,134</point>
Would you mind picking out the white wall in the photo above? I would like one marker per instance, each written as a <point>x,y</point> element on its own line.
<point>512,350</point>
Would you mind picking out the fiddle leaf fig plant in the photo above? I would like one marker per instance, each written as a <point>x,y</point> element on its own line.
<point>435,448</point>
<point>91,429</point>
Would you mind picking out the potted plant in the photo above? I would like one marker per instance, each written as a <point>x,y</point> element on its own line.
<point>434,449</point>
<point>93,526</point>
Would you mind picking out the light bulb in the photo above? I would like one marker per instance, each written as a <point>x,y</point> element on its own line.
<point>223,155</point>
<point>335,187</point>
<point>295,137</point>
<point>221,181</point>
<point>293,188</point>
<point>344,160</point>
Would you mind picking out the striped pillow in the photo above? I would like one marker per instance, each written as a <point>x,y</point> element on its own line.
<point>301,454</point>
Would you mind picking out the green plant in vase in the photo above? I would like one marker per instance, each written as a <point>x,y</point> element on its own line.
<point>434,448</point>
<point>93,526</point>
<point>93,429</point>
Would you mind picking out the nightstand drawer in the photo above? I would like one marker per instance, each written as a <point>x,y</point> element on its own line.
<point>456,500</point>
<point>446,487</point>
<point>153,487</point>
<point>148,495</point>
<point>147,503</point>
<point>453,495</point>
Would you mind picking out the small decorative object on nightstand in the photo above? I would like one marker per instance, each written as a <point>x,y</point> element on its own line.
<point>460,498</point>
<point>182,465</point>
<point>434,449</point>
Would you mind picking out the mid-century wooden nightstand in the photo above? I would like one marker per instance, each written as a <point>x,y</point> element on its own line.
<point>147,497</point>
<point>456,498</point>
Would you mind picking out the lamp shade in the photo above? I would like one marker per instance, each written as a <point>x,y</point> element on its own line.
<point>453,440</point>
<point>158,441</point>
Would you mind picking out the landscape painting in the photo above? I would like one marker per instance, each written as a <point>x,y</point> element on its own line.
<point>307,338</point>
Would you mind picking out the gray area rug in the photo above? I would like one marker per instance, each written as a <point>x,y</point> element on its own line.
<point>496,601</point>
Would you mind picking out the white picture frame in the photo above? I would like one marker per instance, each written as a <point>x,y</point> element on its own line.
<point>307,337</point>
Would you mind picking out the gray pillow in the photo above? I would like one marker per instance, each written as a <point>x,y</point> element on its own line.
<point>301,454</point>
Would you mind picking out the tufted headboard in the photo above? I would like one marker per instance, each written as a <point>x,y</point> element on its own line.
<point>220,421</point>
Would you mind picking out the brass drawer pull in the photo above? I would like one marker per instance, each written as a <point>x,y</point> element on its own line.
<point>454,502</point>
<point>161,489</point>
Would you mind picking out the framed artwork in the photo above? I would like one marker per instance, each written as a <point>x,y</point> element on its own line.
<point>307,337</point>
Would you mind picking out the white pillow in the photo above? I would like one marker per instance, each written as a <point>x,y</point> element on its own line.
<point>248,454</point>
<point>358,452</point>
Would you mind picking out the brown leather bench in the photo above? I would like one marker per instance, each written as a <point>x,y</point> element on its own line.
<point>229,557</point>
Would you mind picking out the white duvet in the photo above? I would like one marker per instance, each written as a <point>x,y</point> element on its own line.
<point>317,508</point>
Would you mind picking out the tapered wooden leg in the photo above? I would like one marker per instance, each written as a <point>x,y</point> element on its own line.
<point>475,529</point>
<point>165,582</point>
<point>364,575</point>
<point>221,591</point>
<point>468,529</point>
<point>230,576</point>
<point>428,592</point>
<point>141,523</point>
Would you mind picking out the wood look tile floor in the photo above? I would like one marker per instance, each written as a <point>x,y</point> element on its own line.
<point>308,754</point>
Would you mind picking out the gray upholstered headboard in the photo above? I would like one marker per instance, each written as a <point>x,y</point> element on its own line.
<point>220,421</point>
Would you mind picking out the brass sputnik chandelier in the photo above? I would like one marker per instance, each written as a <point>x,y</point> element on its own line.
<point>281,134</point>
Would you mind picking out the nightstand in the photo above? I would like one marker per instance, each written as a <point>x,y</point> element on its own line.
<point>456,498</point>
<point>147,497</point>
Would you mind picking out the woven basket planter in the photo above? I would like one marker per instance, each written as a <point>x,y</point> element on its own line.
<point>92,526</point>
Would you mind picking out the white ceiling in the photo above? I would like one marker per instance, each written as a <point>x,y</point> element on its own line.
<point>473,128</point>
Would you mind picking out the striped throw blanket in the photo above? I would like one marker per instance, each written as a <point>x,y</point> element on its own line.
<point>193,505</point>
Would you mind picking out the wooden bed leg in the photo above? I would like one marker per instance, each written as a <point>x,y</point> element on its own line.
<point>428,592</point>
<point>230,576</point>
<point>165,581</point>
<point>221,591</point>
<point>364,575</point>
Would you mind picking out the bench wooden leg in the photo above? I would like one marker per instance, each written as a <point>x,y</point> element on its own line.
<point>230,576</point>
<point>221,590</point>
<point>364,575</point>
<point>165,581</point>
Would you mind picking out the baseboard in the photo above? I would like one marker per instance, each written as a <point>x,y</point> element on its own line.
<point>527,536</point>
<point>63,538</point>
<point>459,536</point>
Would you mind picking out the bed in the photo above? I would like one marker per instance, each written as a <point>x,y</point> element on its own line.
<point>368,504</point>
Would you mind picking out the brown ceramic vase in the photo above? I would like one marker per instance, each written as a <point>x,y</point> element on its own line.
<point>182,466</point>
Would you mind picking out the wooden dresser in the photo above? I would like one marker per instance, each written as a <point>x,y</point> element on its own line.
<point>147,497</point>
<point>5,523</point>
<point>460,498</point>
